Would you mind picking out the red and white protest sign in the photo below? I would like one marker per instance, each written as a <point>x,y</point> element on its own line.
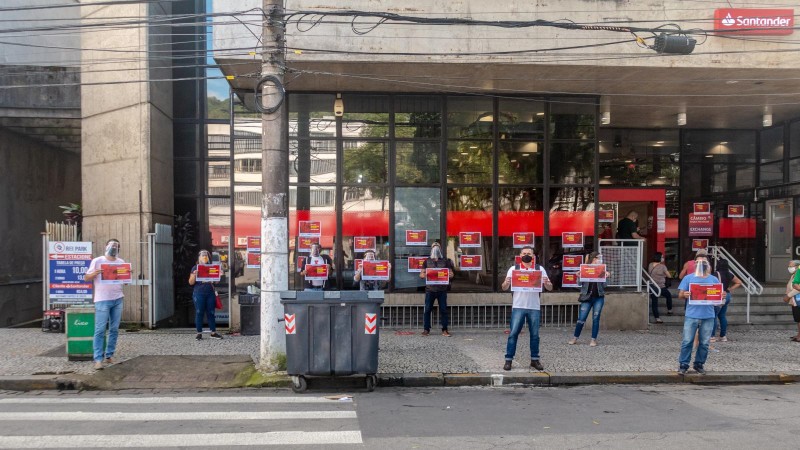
<point>370,323</point>
<point>572,239</point>
<point>209,272</point>
<point>701,224</point>
<point>316,272</point>
<point>605,215</point>
<point>470,262</point>
<point>437,276</point>
<point>417,237</point>
<point>363,243</point>
<point>416,263</point>
<point>522,239</point>
<point>699,244</point>
<point>571,262</point>
<point>754,21</point>
<point>304,243</point>
<point>526,281</point>
<point>254,244</point>
<point>375,270</point>
<point>469,239</point>
<point>702,208</point>
<point>593,273</point>
<point>289,324</point>
<point>735,210</point>
<point>253,260</point>
<point>706,294</point>
<point>357,263</point>
<point>570,279</point>
<point>118,273</point>
<point>308,228</point>
<point>300,261</point>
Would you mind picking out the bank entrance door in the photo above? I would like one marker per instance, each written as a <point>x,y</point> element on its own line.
<point>778,239</point>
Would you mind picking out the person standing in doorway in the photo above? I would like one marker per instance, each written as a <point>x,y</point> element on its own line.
<point>660,274</point>
<point>525,307</point>
<point>436,292</point>
<point>205,299</point>
<point>592,298</point>
<point>314,259</point>
<point>627,228</point>
<point>107,305</point>
<point>792,292</point>
<point>699,319</point>
<point>730,283</point>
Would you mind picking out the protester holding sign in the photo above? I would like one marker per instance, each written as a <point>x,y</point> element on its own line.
<point>792,296</point>
<point>698,318</point>
<point>525,307</point>
<point>314,283</point>
<point>377,280</point>
<point>107,305</point>
<point>436,290</point>
<point>205,299</point>
<point>592,297</point>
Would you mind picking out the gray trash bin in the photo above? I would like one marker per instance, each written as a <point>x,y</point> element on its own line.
<point>331,333</point>
<point>250,314</point>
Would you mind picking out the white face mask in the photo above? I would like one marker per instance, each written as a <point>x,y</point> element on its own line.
<point>792,269</point>
<point>315,251</point>
<point>701,268</point>
<point>436,252</point>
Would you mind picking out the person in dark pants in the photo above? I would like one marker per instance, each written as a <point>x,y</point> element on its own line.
<point>436,292</point>
<point>659,273</point>
<point>205,299</point>
<point>593,298</point>
<point>627,228</point>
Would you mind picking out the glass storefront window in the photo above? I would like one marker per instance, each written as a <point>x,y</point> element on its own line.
<point>365,162</point>
<point>794,139</point>
<point>365,214</point>
<point>417,116</point>
<point>520,163</point>
<point>717,161</point>
<point>312,161</point>
<point>572,163</point>
<point>572,118</point>
<point>219,175</point>
<point>571,211</point>
<point>630,157</point>
<point>469,118</point>
<point>520,210</point>
<point>469,162</point>
<point>521,119</point>
<point>415,208</point>
<point>417,162</point>
<point>771,174</point>
<point>318,204</point>
<point>469,210</point>
<point>772,144</point>
<point>365,116</point>
<point>311,116</point>
<point>794,169</point>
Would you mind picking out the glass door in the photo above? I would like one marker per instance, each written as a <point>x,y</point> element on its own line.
<point>779,238</point>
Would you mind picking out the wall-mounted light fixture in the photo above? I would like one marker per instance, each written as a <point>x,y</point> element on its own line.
<point>605,117</point>
<point>766,120</point>
<point>338,106</point>
<point>681,119</point>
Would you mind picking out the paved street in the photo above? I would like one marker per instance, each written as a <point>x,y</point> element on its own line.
<point>635,417</point>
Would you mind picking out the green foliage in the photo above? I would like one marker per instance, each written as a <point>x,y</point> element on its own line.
<point>73,215</point>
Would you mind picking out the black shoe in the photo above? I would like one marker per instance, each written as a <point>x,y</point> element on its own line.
<point>199,337</point>
<point>535,364</point>
<point>507,365</point>
<point>700,370</point>
<point>216,336</point>
<point>683,370</point>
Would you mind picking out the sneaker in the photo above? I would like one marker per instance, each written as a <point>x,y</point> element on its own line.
<point>593,343</point>
<point>535,364</point>
<point>572,341</point>
<point>426,332</point>
<point>98,365</point>
<point>215,335</point>
<point>723,339</point>
<point>669,313</point>
<point>683,370</point>
<point>507,365</point>
<point>659,320</point>
<point>110,360</point>
<point>700,370</point>
<point>199,337</point>
<point>446,333</point>
<point>713,339</point>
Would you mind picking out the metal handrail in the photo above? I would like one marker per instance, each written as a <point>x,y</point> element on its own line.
<point>650,283</point>
<point>749,282</point>
<point>612,243</point>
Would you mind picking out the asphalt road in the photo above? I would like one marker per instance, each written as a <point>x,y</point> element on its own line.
<point>663,416</point>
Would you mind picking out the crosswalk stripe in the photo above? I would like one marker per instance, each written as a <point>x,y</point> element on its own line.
<point>164,400</point>
<point>184,440</point>
<point>154,416</point>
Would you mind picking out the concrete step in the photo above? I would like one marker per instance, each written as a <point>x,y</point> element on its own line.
<point>736,309</point>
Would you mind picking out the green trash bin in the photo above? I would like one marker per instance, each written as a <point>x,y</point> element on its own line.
<point>80,333</point>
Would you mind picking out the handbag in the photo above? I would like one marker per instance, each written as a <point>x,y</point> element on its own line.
<point>219,300</point>
<point>667,282</point>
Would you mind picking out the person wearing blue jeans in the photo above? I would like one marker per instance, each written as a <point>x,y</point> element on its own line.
<point>107,305</point>
<point>205,300</point>
<point>730,283</point>
<point>525,308</point>
<point>699,319</point>
<point>592,298</point>
<point>721,312</point>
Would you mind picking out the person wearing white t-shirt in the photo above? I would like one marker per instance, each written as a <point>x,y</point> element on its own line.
<point>107,305</point>
<point>314,259</point>
<point>525,307</point>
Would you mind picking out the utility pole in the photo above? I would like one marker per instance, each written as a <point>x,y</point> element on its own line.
<point>275,186</point>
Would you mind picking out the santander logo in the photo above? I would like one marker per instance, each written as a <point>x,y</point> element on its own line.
<point>728,20</point>
<point>754,21</point>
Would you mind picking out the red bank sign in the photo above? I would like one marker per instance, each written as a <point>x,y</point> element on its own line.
<point>767,22</point>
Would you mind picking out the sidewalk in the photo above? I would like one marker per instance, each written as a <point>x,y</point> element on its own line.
<point>174,359</point>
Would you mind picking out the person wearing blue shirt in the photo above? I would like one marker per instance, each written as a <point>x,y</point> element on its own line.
<point>699,319</point>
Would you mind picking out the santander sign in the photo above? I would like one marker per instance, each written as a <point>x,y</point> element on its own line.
<point>765,22</point>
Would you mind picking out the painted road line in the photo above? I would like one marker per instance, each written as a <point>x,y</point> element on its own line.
<point>184,440</point>
<point>163,400</point>
<point>160,416</point>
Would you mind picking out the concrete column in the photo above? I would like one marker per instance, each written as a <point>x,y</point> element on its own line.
<point>126,156</point>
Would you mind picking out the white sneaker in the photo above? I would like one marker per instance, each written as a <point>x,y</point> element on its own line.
<point>572,341</point>
<point>98,365</point>
<point>723,339</point>
<point>593,343</point>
